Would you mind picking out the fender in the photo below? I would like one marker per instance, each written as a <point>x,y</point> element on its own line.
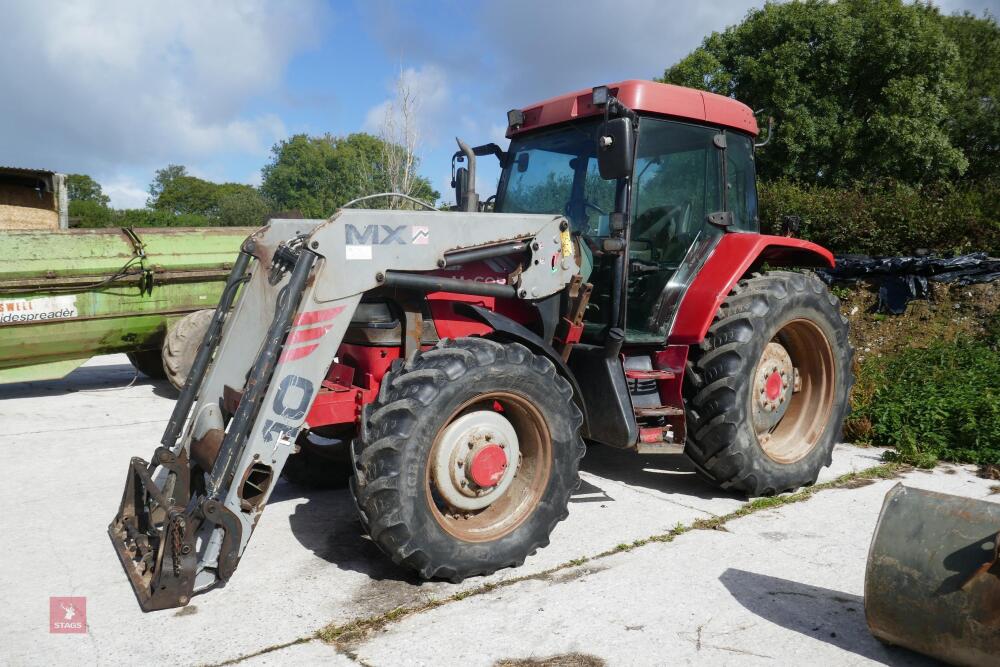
<point>508,329</point>
<point>736,254</point>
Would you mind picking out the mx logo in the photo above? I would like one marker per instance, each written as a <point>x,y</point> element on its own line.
<point>386,235</point>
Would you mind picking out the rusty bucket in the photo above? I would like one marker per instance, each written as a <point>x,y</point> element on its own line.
<point>933,578</point>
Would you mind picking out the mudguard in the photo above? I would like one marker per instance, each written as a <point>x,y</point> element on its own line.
<point>735,255</point>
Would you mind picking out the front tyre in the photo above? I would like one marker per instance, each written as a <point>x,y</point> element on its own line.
<point>471,454</point>
<point>768,389</point>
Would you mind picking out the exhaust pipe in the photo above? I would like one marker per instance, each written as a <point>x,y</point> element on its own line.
<point>466,196</point>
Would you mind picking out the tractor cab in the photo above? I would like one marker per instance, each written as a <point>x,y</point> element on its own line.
<point>649,179</point>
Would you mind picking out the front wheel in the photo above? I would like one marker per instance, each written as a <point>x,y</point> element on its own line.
<point>472,452</point>
<point>768,389</point>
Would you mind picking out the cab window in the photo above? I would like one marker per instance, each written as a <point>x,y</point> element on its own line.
<point>741,188</point>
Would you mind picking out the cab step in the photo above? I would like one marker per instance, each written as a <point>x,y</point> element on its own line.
<point>659,448</point>
<point>658,440</point>
<point>659,411</point>
<point>648,374</point>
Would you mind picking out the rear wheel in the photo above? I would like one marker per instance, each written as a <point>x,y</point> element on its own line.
<point>471,455</point>
<point>768,389</point>
<point>180,346</point>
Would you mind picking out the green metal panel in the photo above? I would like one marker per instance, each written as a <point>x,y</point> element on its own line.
<point>57,304</point>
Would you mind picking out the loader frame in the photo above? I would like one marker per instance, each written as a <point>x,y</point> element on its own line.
<point>187,515</point>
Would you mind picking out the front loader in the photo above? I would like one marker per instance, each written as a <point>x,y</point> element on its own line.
<point>451,365</point>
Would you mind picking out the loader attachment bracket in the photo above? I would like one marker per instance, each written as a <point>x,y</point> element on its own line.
<point>154,532</point>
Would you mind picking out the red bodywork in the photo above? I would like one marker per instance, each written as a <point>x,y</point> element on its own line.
<point>355,379</point>
<point>647,97</point>
<point>732,258</point>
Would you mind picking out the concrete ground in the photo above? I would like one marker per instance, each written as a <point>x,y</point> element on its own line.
<point>782,584</point>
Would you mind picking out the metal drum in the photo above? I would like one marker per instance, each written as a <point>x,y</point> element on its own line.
<point>933,578</point>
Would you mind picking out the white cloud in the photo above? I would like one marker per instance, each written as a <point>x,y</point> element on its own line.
<point>125,193</point>
<point>95,85</point>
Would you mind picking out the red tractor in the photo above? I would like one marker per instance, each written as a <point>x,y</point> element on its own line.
<point>453,364</point>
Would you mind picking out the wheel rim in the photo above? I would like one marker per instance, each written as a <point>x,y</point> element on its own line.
<point>501,441</point>
<point>793,391</point>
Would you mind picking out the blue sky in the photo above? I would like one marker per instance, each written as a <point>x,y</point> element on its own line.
<point>118,89</point>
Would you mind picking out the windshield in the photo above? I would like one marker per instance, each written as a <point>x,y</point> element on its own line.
<point>556,172</point>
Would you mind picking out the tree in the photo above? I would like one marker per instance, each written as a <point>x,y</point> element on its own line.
<point>400,138</point>
<point>88,205</point>
<point>180,194</point>
<point>81,187</point>
<point>90,213</point>
<point>974,124</point>
<point>243,208</point>
<point>859,89</point>
<point>162,179</point>
<point>316,175</point>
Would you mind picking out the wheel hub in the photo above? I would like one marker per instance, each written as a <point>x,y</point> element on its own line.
<point>485,465</point>
<point>475,460</point>
<point>774,383</point>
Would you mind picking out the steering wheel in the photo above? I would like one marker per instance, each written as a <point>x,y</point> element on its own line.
<point>586,205</point>
<point>670,235</point>
<point>655,220</point>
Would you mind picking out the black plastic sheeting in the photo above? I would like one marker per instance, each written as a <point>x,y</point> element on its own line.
<point>901,279</point>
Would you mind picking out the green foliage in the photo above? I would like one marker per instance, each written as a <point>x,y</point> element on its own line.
<point>243,208</point>
<point>89,213</point>
<point>859,89</point>
<point>316,175</point>
<point>188,195</point>
<point>888,217</point>
<point>83,188</point>
<point>162,179</point>
<point>974,123</point>
<point>938,403</point>
<point>145,217</point>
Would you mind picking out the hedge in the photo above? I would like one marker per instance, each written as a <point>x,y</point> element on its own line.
<point>889,218</point>
<point>936,403</point>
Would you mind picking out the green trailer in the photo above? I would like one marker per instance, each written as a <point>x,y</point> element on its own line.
<point>68,295</point>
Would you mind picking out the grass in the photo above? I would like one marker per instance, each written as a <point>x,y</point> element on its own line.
<point>941,402</point>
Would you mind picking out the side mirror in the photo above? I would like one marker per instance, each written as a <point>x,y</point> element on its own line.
<point>614,149</point>
<point>522,162</point>
<point>461,184</point>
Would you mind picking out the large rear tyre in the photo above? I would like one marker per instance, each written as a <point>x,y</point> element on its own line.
<point>180,346</point>
<point>768,389</point>
<point>471,454</point>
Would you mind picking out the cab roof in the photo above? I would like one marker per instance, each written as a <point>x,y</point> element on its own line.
<point>643,96</point>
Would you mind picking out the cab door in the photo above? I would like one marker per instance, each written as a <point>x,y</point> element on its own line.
<point>683,173</point>
<point>677,182</point>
